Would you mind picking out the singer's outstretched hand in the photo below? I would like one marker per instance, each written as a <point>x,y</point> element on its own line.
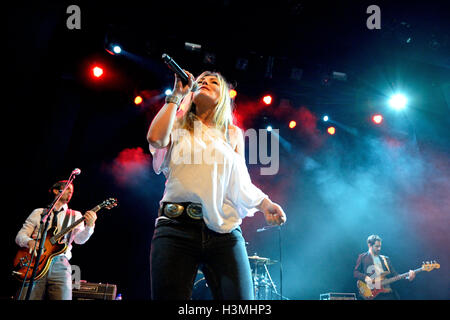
<point>179,88</point>
<point>273,213</point>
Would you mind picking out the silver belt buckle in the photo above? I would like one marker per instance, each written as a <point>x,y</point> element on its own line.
<point>194,211</point>
<point>173,210</point>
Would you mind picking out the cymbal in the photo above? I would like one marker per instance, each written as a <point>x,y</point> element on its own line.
<point>256,259</point>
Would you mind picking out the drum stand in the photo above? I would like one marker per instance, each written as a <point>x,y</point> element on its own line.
<point>263,285</point>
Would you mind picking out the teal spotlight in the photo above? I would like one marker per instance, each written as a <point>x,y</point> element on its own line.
<point>117,49</point>
<point>398,101</point>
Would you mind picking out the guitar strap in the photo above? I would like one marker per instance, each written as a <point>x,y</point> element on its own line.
<point>386,264</point>
<point>67,219</point>
<point>54,218</point>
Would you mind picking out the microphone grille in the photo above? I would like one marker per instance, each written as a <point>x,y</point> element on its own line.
<point>165,57</point>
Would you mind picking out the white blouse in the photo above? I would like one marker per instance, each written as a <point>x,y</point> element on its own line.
<point>204,168</point>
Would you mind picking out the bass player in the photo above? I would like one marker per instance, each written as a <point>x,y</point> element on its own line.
<point>371,265</point>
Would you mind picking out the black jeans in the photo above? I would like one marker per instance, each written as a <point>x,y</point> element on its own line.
<point>179,248</point>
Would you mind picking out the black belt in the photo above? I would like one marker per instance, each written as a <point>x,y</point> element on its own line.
<point>181,209</point>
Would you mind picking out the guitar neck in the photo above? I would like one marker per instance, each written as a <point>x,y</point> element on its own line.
<point>400,276</point>
<point>66,230</point>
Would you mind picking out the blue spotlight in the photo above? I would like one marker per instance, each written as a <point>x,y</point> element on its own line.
<point>269,128</point>
<point>167,92</point>
<point>325,118</point>
<point>113,49</point>
<point>398,101</point>
<point>117,49</point>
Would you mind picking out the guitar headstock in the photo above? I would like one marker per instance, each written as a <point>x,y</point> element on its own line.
<point>109,203</point>
<point>428,266</point>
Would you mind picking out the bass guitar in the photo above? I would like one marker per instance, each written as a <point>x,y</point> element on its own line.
<point>381,284</point>
<point>24,263</point>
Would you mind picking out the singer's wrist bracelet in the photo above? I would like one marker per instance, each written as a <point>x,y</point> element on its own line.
<point>173,99</point>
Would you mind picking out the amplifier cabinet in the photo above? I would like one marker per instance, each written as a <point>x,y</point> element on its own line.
<point>95,291</point>
<point>337,296</point>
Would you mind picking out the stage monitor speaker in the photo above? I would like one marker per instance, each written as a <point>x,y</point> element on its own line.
<point>337,296</point>
<point>95,291</point>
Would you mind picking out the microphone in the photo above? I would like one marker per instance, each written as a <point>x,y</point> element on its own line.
<point>76,171</point>
<point>176,68</point>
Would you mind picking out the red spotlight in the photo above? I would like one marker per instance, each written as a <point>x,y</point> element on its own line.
<point>267,99</point>
<point>377,118</point>
<point>292,124</point>
<point>138,100</point>
<point>331,130</point>
<point>97,71</point>
<point>233,93</point>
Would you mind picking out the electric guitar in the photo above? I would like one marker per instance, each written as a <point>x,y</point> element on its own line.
<point>53,246</point>
<point>381,283</point>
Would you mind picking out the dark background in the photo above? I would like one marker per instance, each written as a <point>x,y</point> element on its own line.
<point>391,180</point>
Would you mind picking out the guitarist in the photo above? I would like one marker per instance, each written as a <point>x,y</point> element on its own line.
<point>371,264</point>
<point>57,282</point>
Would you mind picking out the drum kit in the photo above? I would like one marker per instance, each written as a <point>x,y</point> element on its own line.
<point>263,286</point>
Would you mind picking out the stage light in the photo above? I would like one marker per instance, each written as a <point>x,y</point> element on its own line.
<point>331,130</point>
<point>192,46</point>
<point>117,49</point>
<point>325,118</point>
<point>138,100</point>
<point>398,101</point>
<point>292,124</point>
<point>113,49</point>
<point>168,91</point>
<point>233,93</point>
<point>341,76</point>
<point>377,118</point>
<point>97,71</point>
<point>267,99</point>
<point>269,128</point>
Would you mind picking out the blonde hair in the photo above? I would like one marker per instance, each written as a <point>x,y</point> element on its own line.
<point>223,112</point>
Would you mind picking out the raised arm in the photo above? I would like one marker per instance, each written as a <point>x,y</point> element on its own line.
<point>158,135</point>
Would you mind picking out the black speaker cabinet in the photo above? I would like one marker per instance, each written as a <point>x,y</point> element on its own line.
<point>95,291</point>
<point>337,296</point>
